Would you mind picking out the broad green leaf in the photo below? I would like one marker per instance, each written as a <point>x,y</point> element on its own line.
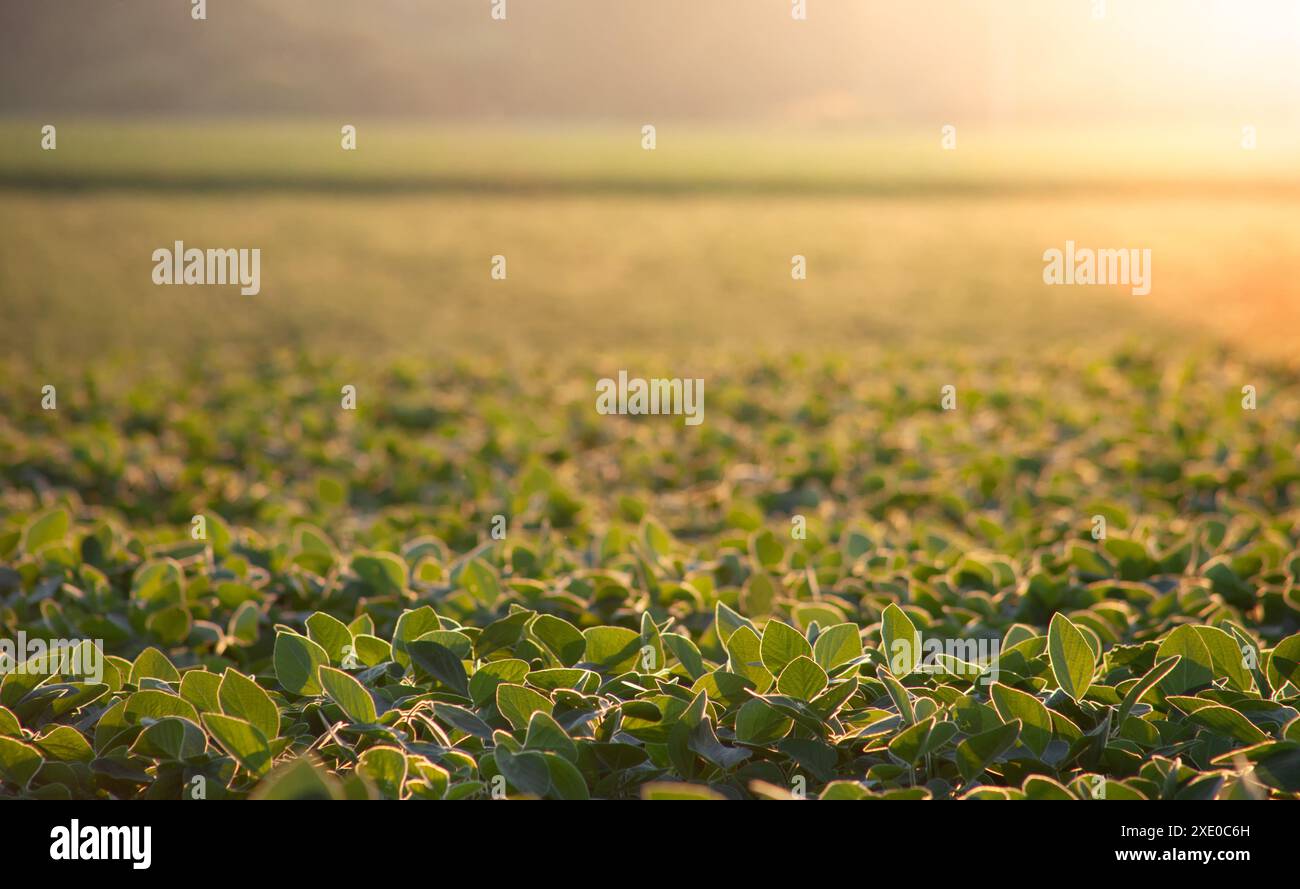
<point>782,643</point>
<point>1225,720</point>
<point>242,697</point>
<point>526,771</point>
<point>1036,722</point>
<point>978,752</point>
<point>545,734</point>
<point>566,781</point>
<point>154,704</point>
<point>49,527</point>
<point>518,703</point>
<point>172,738</point>
<point>901,643</point>
<point>65,744</point>
<point>1226,658</point>
<point>837,645</point>
<point>441,663</point>
<point>19,761</point>
<point>908,746</point>
<point>386,767</point>
<point>350,695</point>
<point>727,620</point>
<point>330,634</point>
<point>1196,665</point>
<point>1070,655</point>
<point>480,582</point>
<point>561,637</point>
<point>303,778</point>
<point>153,664</point>
<point>759,723</point>
<point>411,625</point>
<point>242,740</point>
<point>803,679</point>
<point>612,649</point>
<point>669,790</point>
<point>1284,662</point>
<point>744,653</point>
<point>384,573</point>
<point>296,660</point>
<point>1145,684</point>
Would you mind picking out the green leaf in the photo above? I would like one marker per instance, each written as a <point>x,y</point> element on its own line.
<point>901,643</point>
<point>483,685</point>
<point>1225,657</point>
<point>160,582</point>
<point>303,778</point>
<point>612,649</point>
<point>782,643</point>
<point>330,634</point>
<point>727,620</point>
<point>65,744</point>
<point>172,738</point>
<point>202,689</point>
<point>154,704</point>
<point>241,697</point>
<point>670,790</point>
<point>837,645</point>
<point>1070,655</point>
<point>441,663</point>
<point>1196,665</point>
<point>761,724</point>
<point>766,549</point>
<point>153,664</point>
<point>689,657</point>
<point>480,582</point>
<point>46,528</point>
<point>1227,721</point>
<point>561,637</point>
<point>1284,662</point>
<point>744,652</point>
<point>909,745</point>
<point>411,625</point>
<point>898,694</point>
<point>384,573</point>
<point>803,679</point>
<point>19,761</point>
<point>526,771</point>
<point>386,767</point>
<point>350,695</point>
<point>566,781</point>
<point>518,703</point>
<point>545,734</point>
<point>296,660</point>
<point>170,625</point>
<point>1036,722</point>
<point>1276,763</point>
<point>978,752</point>
<point>242,740</point>
<point>9,725</point>
<point>1144,685</point>
<point>501,634</point>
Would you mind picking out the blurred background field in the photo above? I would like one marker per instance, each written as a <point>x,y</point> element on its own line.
<point>522,138</point>
<point>610,247</point>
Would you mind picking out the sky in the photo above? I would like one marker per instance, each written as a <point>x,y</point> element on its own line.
<point>849,62</point>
